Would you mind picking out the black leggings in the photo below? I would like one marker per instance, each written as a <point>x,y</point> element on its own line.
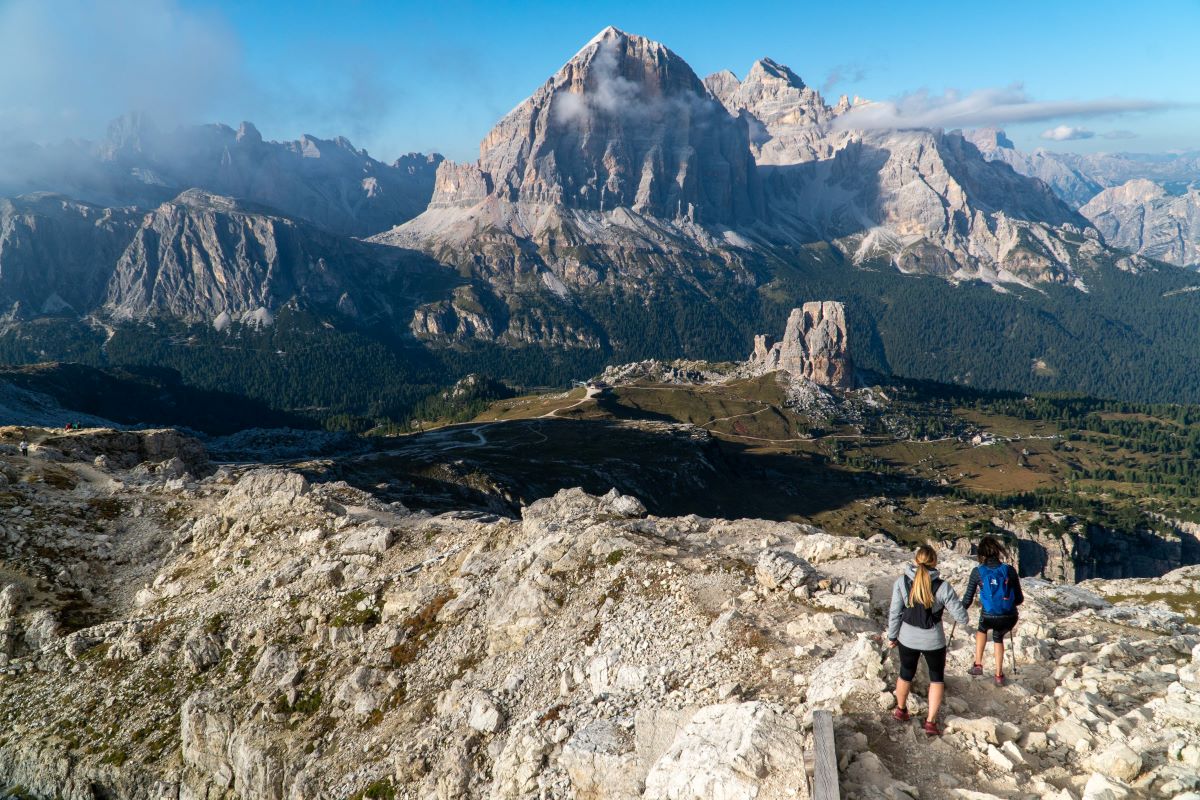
<point>999,625</point>
<point>935,662</point>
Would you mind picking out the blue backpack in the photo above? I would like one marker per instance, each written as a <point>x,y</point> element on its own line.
<point>995,595</point>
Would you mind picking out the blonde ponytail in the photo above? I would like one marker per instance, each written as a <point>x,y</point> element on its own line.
<point>922,585</point>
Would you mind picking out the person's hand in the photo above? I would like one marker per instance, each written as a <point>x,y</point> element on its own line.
<point>893,643</point>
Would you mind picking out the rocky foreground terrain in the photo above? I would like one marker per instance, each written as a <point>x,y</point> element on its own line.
<point>171,630</point>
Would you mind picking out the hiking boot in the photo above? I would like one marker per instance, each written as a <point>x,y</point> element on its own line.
<point>976,670</point>
<point>1000,680</point>
<point>901,714</point>
<point>932,729</point>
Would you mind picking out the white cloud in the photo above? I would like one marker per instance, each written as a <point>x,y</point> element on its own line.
<point>70,68</point>
<point>608,92</point>
<point>1067,133</point>
<point>981,108</point>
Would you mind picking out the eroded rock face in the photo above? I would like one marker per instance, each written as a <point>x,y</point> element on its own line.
<point>786,116</point>
<point>1065,549</point>
<point>815,345</point>
<point>1141,217</point>
<point>56,254</point>
<point>205,257</point>
<point>1072,182</point>
<point>925,201</point>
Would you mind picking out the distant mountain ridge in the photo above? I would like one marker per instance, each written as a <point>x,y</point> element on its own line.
<point>1143,217</point>
<point>626,210</point>
<point>1143,204</point>
<point>924,200</point>
<point>329,183</point>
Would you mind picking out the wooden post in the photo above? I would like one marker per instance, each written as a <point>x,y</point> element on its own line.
<point>825,777</point>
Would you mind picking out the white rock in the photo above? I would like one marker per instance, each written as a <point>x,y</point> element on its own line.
<point>1000,759</point>
<point>1118,761</point>
<point>854,669</point>
<point>601,762</point>
<point>1101,788</point>
<point>485,716</point>
<point>374,539</point>
<point>729,752</point>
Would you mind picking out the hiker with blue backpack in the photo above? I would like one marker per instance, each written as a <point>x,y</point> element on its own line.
<point>999,589</point>
<point>919,597</point>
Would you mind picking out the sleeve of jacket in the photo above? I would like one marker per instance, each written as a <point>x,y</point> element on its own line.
<point>896,611</point>
<point>950,601</point>
<point>1016,582</point>
<point>972,587</point>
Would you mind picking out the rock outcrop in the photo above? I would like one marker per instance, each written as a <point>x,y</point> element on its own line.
<point>1062,548</point>
<point>815,345</point>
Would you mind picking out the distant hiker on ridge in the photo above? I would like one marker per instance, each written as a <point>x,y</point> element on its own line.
<point>915,626</point>
<point>999,589</point>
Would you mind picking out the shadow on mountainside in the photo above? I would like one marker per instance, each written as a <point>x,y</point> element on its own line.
<point>673,469</point>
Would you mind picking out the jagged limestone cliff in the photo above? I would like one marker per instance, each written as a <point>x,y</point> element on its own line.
<point>815,345</point>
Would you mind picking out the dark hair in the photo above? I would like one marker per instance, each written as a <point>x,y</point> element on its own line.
<point>989,549</point>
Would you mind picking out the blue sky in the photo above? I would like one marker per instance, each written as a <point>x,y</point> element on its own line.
<point>403,76</point>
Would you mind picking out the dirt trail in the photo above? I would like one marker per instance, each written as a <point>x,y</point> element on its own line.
<point>905,750</point>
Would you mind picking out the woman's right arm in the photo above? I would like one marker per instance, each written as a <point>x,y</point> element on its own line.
<point>972,587</point>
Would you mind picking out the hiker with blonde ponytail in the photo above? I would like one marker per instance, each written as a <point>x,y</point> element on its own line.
<point>915,627</point>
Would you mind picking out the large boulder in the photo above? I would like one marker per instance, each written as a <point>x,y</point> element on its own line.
<point>731,751</point>
<point>601,762</point>
<point>264,490</point>
<point>854,669</point>
<point>779,569</point>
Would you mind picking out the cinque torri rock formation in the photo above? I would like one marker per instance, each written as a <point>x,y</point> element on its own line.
<point>171,630</point>
<point>815,345</point>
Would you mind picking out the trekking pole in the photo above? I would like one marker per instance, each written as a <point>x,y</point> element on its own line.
<point>1012,649</point>
<point>953,625</point>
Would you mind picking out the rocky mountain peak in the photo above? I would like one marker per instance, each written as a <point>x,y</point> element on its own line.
<point>625,123</point>
<point>128,135</point>
<point>1135,192</point>
<point>1141,216</point>
<point>769,69</point>
<point>247,133</point>
<point>815,345</point>
<point>989,139</point>
<point>787,118</point>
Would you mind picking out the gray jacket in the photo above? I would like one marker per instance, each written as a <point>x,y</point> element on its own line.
<point>920,638</point>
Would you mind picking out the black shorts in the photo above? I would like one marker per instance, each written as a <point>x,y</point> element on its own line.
<point>935,662</point>
<point>999,625</point>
